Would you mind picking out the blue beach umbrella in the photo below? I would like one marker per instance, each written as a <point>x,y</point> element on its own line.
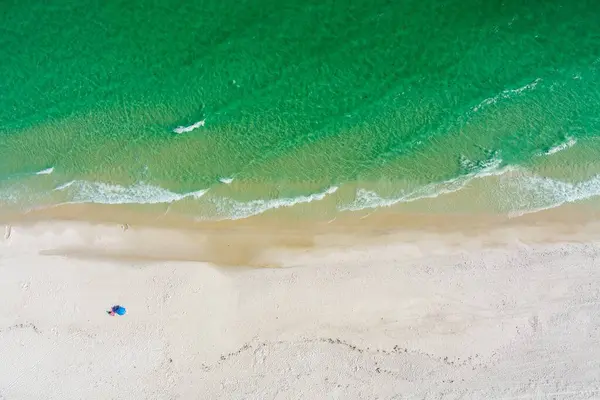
<point>119,310</point>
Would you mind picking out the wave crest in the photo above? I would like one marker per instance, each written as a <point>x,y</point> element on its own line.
<point>234,209</point>
<point>506,94</point>
<point>139,193</point>
<point>530,194</point>
<point>226,181</point>
<point>46,171</point>
<point>563,146</point>
<point>366,199</point>
<point>189,128</point>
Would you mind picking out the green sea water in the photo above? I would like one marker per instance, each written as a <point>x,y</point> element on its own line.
<point>343,105</point>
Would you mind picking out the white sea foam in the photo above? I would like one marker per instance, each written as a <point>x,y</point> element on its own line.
<point>9,195</point>
<point>46,171</point>
<point>506,94</point>
<point>19,193</point>
<point>234,209</point>
<point>226,181</point>
<point>520,191</point>
<point>530,194</point>
<point>64,186</point>
<point>139,193</point>
<point>563,146</point>
<point>185,129</point>
<point>366,199</point>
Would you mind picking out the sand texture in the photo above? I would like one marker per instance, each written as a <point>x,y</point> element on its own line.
<point>437,317</point>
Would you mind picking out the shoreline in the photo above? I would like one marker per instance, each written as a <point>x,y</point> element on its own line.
<point>509,190</point>
<point>254,241</point>
<point>398,216</point>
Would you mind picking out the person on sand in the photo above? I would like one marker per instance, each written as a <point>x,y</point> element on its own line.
<point>117,310</point>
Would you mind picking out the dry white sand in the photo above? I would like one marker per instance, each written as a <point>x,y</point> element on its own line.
<point>396,319</point>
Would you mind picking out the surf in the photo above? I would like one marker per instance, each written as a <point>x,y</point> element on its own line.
<point>234,210</point>
<point>79,191</point>
<point>560,147</point>
<point>46,171</point>
<point>190,128</point>
<point>367,199</point>
<point>506,94</point>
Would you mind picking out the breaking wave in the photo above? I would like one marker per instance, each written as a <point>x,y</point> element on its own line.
<point>184,129</point>
<point>104,193</point>
<point>46,171</point>
<point>506,94</point>
<point>531,193</point>
<point>366,199</point>
<point>516,192</point>
<point>563,146</point>
<point>233,209</point>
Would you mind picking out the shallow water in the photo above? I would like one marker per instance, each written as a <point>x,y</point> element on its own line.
<point>232,109</point>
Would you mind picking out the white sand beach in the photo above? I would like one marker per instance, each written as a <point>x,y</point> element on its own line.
<point>509,314</point>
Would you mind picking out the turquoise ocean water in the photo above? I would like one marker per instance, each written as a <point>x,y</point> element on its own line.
<point>223,109</point>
